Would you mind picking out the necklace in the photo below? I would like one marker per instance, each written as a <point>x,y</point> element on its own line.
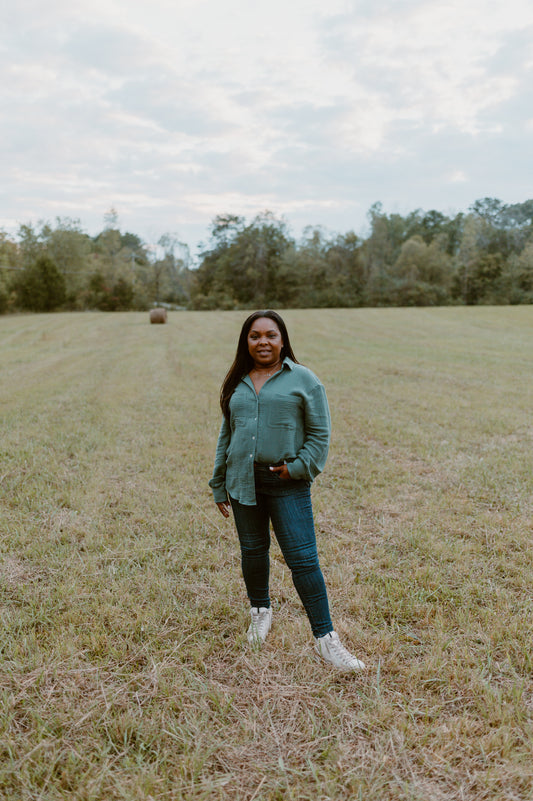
<point>261,372</point>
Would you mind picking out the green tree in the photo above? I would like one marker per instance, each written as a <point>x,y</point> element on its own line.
<point>466,256</point>
<point>489,209</point>
<point>420,276</point>
<point>169,273</point>
<point>41,287</point>
<point>209,288</point>
<point>323,271</point>
<point>242,267</point>
<point>97,293</point>
<point>484,283</point>
<point>30,243</point>
<point>4,294</point>
<point>504,229</point>
<point>108,245</point>
<point>69,247</point>
<point>10,255</point>
<point>119,296</point>
<point>112,256</point>
<point>430,264</point>
<point>435,224</point>
<point>123,258</point>
<point>517,276</point>
<point>10,265</point>
<point>380,251</point>
<point>123,295</point>
<point>345,271</point>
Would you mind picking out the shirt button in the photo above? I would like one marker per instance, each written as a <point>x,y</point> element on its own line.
<point>253,437</point>
<point>251,456</point>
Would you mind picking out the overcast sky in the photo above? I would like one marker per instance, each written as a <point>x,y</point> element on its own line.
<point>173,111</point>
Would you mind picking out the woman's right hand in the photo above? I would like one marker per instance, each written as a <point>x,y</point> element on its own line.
<point>224,508</point>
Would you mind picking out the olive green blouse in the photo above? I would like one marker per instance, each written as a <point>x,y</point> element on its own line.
<point>288,420</point>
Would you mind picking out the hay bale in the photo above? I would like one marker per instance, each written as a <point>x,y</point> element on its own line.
<point>158,316</point>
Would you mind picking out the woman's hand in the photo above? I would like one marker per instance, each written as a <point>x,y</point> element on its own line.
<point>282,470</point>
<point>224,508</point>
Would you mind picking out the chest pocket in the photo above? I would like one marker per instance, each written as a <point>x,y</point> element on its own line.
<point>285,411</point>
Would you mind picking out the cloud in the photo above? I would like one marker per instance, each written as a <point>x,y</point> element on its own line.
<point>111,50</point>
<point>178,111</point>
<point>458,177</point>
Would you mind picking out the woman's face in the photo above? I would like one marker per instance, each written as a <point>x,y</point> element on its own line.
<point>264,342</point>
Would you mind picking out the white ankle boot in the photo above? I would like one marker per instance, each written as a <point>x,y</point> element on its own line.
<point>330,648</point>
<point>260,625</point>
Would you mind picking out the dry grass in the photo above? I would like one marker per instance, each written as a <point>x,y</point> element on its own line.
<point>125,671</point>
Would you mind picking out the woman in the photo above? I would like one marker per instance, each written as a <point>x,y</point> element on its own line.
<point>273,442</point>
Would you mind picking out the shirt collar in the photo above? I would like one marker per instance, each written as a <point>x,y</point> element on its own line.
<point>286,363</point>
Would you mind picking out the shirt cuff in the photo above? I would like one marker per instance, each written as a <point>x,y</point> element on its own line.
<point>220,495</point>
<point>297,469</point>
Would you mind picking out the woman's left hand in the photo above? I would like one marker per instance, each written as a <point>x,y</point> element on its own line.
<point>282,470</point>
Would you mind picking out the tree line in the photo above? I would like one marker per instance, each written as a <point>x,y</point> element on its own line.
<point>424,258</point>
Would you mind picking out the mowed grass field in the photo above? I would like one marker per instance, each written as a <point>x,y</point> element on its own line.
<point>125,672</point>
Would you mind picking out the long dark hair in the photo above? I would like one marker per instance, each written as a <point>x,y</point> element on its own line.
<point>243,362</point>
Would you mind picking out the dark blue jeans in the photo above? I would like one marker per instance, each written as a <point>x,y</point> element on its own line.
<point>287,503</point>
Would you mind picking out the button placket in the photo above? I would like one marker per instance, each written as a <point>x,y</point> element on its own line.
<point>255,420</point>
